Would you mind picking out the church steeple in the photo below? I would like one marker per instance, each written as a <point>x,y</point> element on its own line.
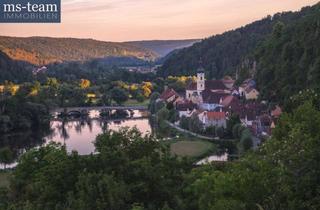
<point>200,67</point>
<point>200,78</point>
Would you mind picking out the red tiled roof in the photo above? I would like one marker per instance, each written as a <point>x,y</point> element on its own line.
<point>186,105</point>
<point>227,100</point>
<point>276,112</point>
<point>168,93</point>
<point>216,115</point>
<point>210,97</point>
<point>214,85</point>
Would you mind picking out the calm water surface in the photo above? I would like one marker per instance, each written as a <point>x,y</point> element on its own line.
<point>77,134</point>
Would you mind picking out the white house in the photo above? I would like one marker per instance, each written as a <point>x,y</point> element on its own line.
<point>217,119</point>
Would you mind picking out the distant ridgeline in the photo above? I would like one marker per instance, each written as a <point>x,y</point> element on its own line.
<point>45,50</point>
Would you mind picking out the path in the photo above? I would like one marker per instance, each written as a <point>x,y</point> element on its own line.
<point>195,134</point>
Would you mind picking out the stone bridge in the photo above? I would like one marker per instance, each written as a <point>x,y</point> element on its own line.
<point>98,108</point>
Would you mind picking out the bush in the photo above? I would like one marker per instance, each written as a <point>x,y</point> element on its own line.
<point>219,132</point>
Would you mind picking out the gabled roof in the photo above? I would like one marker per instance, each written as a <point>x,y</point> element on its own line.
<point>249,89</point>
<point>276,112</point>
<point>186,105</point>
<point>210,97</point>
<point>216,115</point>
<point>228,81</point>
<point>250,115</point>
<point>229,101</point>
<point>265,120</point>
<point>214,85</point>
<point>168,93</point>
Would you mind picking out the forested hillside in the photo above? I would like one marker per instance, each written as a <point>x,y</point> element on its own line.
<point>222,54</point>
<point>289,61</point>
<point>14,70</point>
<point>45,50</point>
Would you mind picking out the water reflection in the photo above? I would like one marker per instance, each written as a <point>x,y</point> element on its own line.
<point>76,134</point>
<point>79,134</point>
<point>22,142</point>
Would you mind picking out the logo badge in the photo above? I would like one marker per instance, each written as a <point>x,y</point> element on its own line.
<point>30,11</point>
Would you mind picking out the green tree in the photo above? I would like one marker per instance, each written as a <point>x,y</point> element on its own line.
<point>195,125</point>
<point>119,95</point>
<point>220,132</point>
<point>6,156</point>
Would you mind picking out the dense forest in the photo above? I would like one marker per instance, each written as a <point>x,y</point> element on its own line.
<point>289,60</point>
<point>45,50</point>
<point>223,54</point>
<point>16,71</point>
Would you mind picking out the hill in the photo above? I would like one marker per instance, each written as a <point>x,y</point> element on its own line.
<point>289,60</point>
<point>222,54</point>
<point>12,70</point>
<point>164,47</point>
<point>45,50</point>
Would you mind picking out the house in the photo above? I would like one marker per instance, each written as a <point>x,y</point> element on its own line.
<point>235,92</point>
<point>251,93</point>
<point>248,83</point>
<point>170,96</point>
<point>247,117</point>
<point>217,119</point>
<point>185,108</point>
<point>230,103</point>
<point>228,82</point>
<point>265,124</point>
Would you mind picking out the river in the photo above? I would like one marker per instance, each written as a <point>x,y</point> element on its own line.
<point>77,134</point>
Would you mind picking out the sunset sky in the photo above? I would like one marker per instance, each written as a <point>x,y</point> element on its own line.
<point>123,20</point>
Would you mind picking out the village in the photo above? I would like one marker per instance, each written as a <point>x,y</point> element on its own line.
<point>213,102</point>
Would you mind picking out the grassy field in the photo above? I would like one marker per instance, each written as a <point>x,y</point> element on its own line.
<point>193,149</point>
<point>4,179</point>
<point>132,102</point>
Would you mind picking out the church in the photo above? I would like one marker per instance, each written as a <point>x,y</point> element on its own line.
<point>208,93</point>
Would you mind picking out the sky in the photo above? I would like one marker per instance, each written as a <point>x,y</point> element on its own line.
<point>127,20</point>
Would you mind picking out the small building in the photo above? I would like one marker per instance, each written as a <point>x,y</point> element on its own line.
<point>276,112</point>
<point>247,117</point>
<point>170,96</point>
<point>217,119</point>
<point>185,108</point>
<point>251,93</point>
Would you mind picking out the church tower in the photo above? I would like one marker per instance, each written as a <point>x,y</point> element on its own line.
<point>200,79</point>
